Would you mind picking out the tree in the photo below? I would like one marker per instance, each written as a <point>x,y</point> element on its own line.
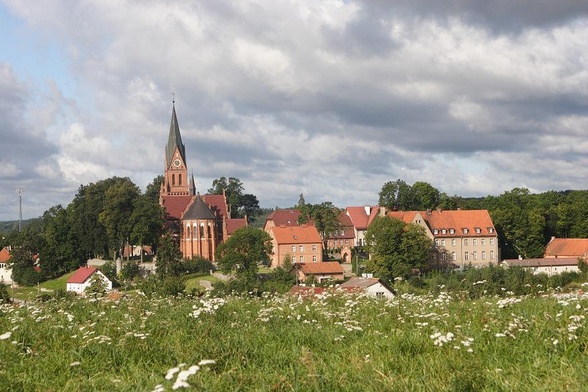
<point>324,216</point>
<point>240,204</point>
<point>424,196</point>
<point>119,202</point>
<point>249,207</point>
<point>169,257</point>
<point>58,254</point>
<point>244,251</point>
<point>146,221</point>
<point>24,257</point>
<point>97,286</point>
<point>396,248</point>
<point>395,195</point>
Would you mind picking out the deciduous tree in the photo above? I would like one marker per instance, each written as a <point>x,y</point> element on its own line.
<point>244,251</point>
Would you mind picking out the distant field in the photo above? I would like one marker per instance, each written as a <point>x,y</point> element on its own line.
<point>333,343</point>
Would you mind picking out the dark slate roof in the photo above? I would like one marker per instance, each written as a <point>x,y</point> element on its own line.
<point>174,140</point>
<point>198,209</point>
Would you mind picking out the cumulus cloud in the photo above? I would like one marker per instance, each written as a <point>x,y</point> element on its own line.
<point>327,98</point>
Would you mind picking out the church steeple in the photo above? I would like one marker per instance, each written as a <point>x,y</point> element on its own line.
<point>174,140</point>
<point>176,182</point>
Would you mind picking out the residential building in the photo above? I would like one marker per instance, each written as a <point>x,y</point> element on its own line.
<point>328,270</point>
<point>361,218</point>
<point>344,236</point>
<point>82,279</point>
<point>5,272</point>
<point>549,266</point>
<point>302,243</point>
<point>199,222</point>
<point>288,217</point>
<point>373,287</point>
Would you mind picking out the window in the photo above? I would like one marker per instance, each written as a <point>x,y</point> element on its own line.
<point>475,241</point>
<point>173,179</point>
<point>379,294</point>
<point>483,241</point>
<point>491,255</point>
<point>451,231</point>
<point>293,248</point>
<point>443,256</point>
<point>475,255</point>
<point>453,242</point>
<point>465,242</point>
<point>437,242</point>
<point>483,255</point>
<point>301,248</point>
<point>436,231</point>
<point>180,179</point>
<point>444,231</point>
<point>465,231</point>
<point>478,230</point>
<point>314,258</point>
<point>453,256</point>
<point>188,231</point>
<point>491,230</point>
<point>491,241</point>
<point>302,259</point>
<point>466,256</point>
<point>202,230</point>
<point>443,242</point>
<point>346,242</point>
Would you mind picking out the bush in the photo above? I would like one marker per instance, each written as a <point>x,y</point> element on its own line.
<point>198,265</point>
<point>155,285</point>
<point>4,294</point>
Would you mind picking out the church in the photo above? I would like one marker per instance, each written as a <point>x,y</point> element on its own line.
<point>199,222</point>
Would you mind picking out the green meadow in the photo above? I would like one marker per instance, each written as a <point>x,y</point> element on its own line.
<point>333,342</point>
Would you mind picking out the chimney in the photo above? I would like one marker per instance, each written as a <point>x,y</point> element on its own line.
<point>368,210</point>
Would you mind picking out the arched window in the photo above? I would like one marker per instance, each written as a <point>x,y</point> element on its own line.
<point>180,179</point>
<point>188,231</point>
<point>201,230</point>
<point>210,230</point>
<point>173,179</point>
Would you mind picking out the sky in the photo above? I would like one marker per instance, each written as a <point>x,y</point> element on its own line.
<point>327,98</point>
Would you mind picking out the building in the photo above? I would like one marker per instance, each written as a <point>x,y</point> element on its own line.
<point>373,287</point>
<point>361,218</point>
<point>328,270</point>
<point>82,279</point>
<point>5,272</point>
<point>279,218</point>
<point>549,266</point>
<point>302,243</point>
<point>344,236</point>
<point>574,248</point>
<point>200,222</point>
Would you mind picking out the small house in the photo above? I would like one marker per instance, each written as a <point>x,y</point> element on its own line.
<point>82,279</point>
<point>370,286</point>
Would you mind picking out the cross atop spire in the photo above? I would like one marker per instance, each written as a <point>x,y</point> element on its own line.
<point>173,94</point>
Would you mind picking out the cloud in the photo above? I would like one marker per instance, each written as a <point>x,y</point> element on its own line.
<point>326,98</point>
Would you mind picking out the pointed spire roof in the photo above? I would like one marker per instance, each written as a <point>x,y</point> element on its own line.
<point>174,140</point>
<point>198,209</point>
<point>192,185</point>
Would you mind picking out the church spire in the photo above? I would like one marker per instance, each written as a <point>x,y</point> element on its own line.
<point>175,139</point>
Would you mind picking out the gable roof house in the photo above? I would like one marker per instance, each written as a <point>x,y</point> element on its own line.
<point>373,287</point>
<point>361,218</point>
<point>465,238</point>
<point>574,248</point>
<point>327,270</point>
<point>549,265</point>
<point>82,278</point>
<point>5,272</point>
<point>344,236</point>
<point>279,218</point>
<point>303,244</point>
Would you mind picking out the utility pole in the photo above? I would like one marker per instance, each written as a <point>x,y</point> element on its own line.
<point>19,192</point>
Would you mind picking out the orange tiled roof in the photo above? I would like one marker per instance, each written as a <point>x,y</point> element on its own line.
<point>4,255</point>
<point>326,267</point>
<point>458,220</point>
<point>405,216</point>
<point>82,274</point>
<point>218,204</point>
<point>574,247</point>
<point>296,234</point>
<point>359,217</point>
<point>306,290</point>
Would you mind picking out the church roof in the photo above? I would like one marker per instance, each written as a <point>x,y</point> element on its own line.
<point>234,224</point>
<point>218,204</point>
<point>174,140</point>
<point>175,205</point>
<point>198,209</point>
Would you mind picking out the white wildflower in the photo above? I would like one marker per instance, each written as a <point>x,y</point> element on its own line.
<point>5,336</point>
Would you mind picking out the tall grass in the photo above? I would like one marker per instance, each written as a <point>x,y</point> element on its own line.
<point>336,342</point>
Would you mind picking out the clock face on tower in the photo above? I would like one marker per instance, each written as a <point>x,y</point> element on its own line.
<point>177,163</point>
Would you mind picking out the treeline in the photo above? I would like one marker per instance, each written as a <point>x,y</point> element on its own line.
<point>525,222</point>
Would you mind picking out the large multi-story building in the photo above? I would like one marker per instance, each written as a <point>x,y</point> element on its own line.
<point>302,243</point>
<point>200,222</point>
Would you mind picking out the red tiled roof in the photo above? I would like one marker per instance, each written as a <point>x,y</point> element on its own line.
<point>235,224</point>
<point>284,217</point>
<point>359,217</point>
<point>218,204</point>
<point>296,235</point>
<point>4,255</point>
<point>326,267</point>
<point>175,205</point>
<point>358,282</point>
<point>460,220</point>
<point>306,290</point>
<point>570,247</point>
<point>82,274</point>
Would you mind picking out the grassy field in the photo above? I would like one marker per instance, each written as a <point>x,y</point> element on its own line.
<point>336,342</point>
